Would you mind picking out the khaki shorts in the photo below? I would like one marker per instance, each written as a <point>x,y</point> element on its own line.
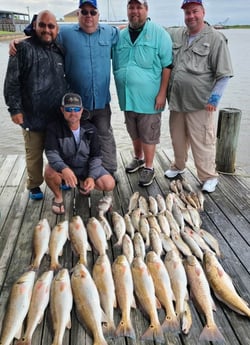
<point>146,127</point>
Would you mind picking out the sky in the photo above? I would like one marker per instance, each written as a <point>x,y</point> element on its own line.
<point>164,12</point>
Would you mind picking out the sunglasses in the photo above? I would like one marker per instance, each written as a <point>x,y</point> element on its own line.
<point>91,12</point>
<point>43,25</point>
<point>72,109</point>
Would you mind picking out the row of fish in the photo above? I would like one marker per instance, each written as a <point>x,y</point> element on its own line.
<point>150,229</point>
<point>155,282</point>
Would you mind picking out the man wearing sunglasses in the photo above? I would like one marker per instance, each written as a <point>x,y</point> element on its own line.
<point>87,68</point>
<point>33,89</point>
<point>73,151</point>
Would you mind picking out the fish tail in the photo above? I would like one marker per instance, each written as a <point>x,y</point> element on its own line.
<point>125,329</point>
<point>83,260</point>
<point>154,333</point>
<point>109,329</point>
<point>211,333</point>
<point>171,324</point>
<point>55,266</point>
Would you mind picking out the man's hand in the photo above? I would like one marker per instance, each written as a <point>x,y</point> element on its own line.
<point>69,177</point>
<point>88,185</point>
<point>12,45</point>
<point>17,119</point>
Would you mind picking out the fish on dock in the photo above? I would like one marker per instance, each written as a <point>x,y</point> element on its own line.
<point>87,303</point>
<point>200,291</point>
<point>145,292</point>
<point>39,302</point>
<point>58,237</point>
<point>41,236</point>
<point>17,308</point>
<point>222,285</point>
<point>124,290</point>
<point>61,302</point>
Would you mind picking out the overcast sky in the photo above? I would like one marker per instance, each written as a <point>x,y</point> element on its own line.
<point>165,12</point>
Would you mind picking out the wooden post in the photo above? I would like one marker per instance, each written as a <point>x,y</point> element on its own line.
<point>227,139</point>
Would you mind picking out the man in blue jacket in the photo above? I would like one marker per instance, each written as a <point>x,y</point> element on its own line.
<point>73,152</point>
<point>33,89</point>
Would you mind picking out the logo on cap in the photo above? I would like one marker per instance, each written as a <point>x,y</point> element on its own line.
<point>90,2</point>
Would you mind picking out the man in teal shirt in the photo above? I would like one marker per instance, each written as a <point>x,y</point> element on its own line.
<point>141,65</point>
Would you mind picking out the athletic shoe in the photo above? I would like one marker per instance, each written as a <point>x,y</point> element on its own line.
<point>135,165</point>
<point>210,185</point>
<point>146,177</point>
<point>173,172</point>
<point>36,193</point>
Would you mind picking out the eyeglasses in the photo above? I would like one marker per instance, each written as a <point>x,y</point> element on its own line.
<point>43,25</point>
<point>91,12</point>
<point>72,109</point>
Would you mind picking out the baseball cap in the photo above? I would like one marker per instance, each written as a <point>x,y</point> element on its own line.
<point>71,100</point>
<point>140,1</point>
<point>186,2</point>
<point>89,2</point>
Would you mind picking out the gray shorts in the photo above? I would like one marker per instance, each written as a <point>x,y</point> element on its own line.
<point>146,127</point>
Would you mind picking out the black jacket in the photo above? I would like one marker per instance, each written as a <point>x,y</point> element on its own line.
<point>35,83</point>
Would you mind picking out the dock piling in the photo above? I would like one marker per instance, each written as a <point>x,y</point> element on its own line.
<point>227,139</point>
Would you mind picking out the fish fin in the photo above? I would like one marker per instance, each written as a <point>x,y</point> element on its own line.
<point>125,329</point>
<point>69,323</point>
<point>171,324</point>
<point>19,332</point>
<point>154,333</point>
<point>211,333</point>
<point>89,249</point>
<point>133,303</point>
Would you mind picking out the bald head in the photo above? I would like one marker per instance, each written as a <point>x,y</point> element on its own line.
<point>46,26</point>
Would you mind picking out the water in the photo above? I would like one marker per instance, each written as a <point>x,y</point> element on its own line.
<point>236,95</point>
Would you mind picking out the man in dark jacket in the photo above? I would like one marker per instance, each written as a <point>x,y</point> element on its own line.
<point>33,89</point>
<point>73,152</point>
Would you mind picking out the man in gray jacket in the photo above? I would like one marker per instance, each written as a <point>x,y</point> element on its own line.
<point>74,156</point>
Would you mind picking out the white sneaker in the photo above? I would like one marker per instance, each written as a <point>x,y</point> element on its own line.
<point>173,172</point>
<point>209,185</point>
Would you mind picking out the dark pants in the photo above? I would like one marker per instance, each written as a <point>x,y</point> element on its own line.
<point>101,118</point>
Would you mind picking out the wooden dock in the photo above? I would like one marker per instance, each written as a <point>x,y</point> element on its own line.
<point>226,216</point>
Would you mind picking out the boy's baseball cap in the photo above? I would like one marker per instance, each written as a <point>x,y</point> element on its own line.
<point>187,2</point>
<point>71,100</point>
<point>89,2</point>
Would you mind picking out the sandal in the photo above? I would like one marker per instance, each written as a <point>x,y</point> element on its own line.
<point>60,205</point>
